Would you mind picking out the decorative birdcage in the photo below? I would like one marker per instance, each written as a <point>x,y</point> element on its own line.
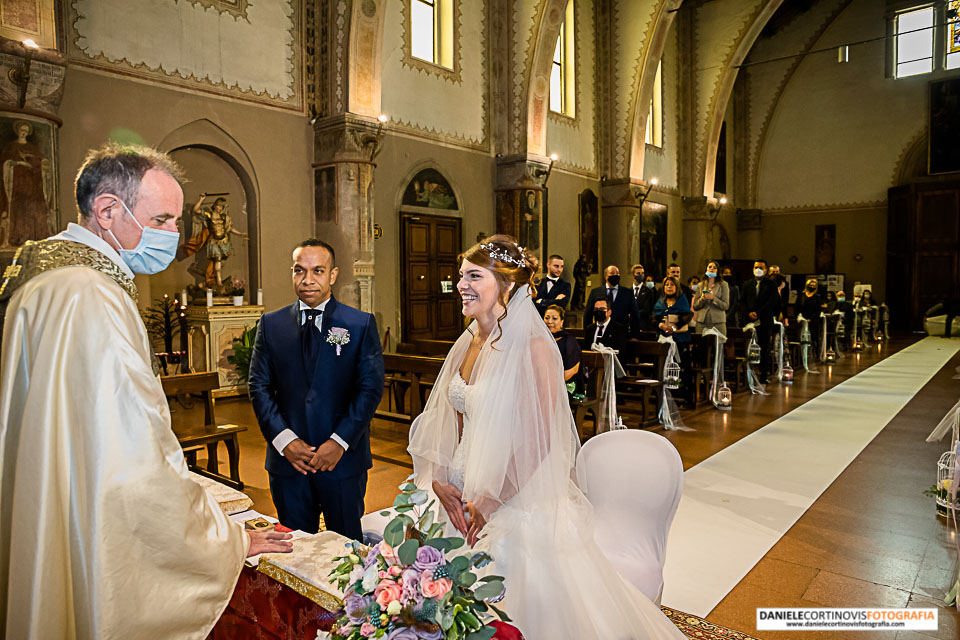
<point>945,479</point>
<point>805,334</point>
<point>753,353</point>
<point>724,397</point>
<point>786,374</point>
<point>671,376</point>
<point>841,330</point>
<point>830,357</point>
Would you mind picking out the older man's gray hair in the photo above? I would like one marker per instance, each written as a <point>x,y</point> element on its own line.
<point>118,169</point>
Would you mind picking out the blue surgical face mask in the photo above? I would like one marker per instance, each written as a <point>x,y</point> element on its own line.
<point>155,251</point>
<point>650,284</point>
<point>710,274</point>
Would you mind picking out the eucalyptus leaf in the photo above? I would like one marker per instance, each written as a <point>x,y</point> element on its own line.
<point>425,521</point>
<point>393,532</point>
<point>408,551</point>
<point>466,578</point>
<point>419,497</point>
<point>403,508</point>
<point>401,500</point>
<point>488,590</point>
<point>408,487</point>
<point>492,579</point>
<point>500,614</point>
<point>483,633</point>
<point>459,563</point>
<point>445,619</point>
<point>456,543</point>
<point>443,544</point>
<point>386,513</point>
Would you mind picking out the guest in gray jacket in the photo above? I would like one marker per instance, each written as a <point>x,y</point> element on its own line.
<point>711,301</point>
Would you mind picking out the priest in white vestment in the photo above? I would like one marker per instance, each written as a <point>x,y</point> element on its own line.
<point>102,533</point>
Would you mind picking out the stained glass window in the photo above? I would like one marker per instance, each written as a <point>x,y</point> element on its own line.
<point>654,133</point>
<point>562,71</point>
<point>431,31</point>
<point>953,34</point>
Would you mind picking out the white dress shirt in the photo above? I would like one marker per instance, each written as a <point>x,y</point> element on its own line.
<point>550,283</point>
<point>287,435</point>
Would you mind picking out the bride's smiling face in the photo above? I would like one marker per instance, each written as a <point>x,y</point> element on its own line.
<point>479,289</point>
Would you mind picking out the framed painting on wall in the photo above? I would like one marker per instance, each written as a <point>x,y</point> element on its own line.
<point>28,180</point>
<point>590,228</point>
<point>653,239</point>
<point>825,248</point>
<point>944,148</point>
<point>325,194</point>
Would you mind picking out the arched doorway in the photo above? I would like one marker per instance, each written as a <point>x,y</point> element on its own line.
<point>430,241</point>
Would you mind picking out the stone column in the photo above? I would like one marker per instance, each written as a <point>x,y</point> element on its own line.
<point>521,191</point>
<point>748,232</point>
<point>344,152</point>
<point>621,202</point>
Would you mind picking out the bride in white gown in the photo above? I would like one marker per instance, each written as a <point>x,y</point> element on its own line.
<point>497,443</point>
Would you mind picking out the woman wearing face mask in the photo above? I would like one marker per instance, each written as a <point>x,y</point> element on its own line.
<point>673,315</point>
<point>497,444</point>
<point>809,306</point>
<point>711,301</point>
<point>569,349</point>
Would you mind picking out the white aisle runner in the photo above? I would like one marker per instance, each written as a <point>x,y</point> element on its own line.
<point>739,502</point>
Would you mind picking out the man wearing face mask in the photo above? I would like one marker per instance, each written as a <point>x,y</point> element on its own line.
<point>93,477</point>
<point>603,329</point>
<point>748,295</point>
<point>619,299</point>
<point>645,296</point>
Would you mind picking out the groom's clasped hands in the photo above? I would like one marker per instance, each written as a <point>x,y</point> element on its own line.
<point>306,459</point>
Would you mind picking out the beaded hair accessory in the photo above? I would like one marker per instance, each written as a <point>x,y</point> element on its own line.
<point>498,253</point>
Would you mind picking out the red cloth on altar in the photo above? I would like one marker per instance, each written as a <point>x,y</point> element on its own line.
<point>263,609</point>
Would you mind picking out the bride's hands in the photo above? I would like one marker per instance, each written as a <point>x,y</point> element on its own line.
<point>477,522</point>
<point>452,501</point>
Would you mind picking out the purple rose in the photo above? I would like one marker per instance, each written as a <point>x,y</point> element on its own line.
<point>403,633</point>
<point>430,635</point>
<point>371,558</point>
<point>429,558</point>
<point>356,606</point>
<point>411,587</point>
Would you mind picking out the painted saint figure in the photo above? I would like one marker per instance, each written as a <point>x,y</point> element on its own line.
<point>27,187</point>
<point>215,235</point>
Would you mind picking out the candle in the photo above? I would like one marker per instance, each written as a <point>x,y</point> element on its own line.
<point>209,297</point>
<point>183,298</point>
<point>259,297</point>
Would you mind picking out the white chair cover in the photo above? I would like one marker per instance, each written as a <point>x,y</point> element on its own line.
<point>634,480</point>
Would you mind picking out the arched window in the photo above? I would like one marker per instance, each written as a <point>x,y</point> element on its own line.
<point>654,135</point>
<point>563,97</point>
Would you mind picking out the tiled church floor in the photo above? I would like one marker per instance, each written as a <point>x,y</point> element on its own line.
<point>872,538</point>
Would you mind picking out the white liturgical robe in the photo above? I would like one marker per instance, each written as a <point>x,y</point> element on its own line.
<point>102,533</point>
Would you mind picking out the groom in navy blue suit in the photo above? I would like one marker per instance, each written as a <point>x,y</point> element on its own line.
<point>316,378</point>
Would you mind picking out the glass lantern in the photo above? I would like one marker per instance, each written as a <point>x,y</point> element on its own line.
<point>830,357</point>
<point>724,397</point>
<point>841,331</point>
<point>671,377</point>
<point>786,374</point>
<point>753,353</point>
<point>858,345</point>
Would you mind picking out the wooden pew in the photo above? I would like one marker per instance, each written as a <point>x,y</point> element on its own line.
<point>592,364</point>
<point>416,375</point>
<point>645,361</point>
<point>194,436</point>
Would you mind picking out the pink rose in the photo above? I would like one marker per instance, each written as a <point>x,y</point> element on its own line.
<point>367,629</point>
<point>388,591</point>
<point>395,570</point>
<point>388,553</point>
<point>434,588</point>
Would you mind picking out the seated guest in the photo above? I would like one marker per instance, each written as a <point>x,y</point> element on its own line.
<point>809,306</point>
<point>645,297</point>
<point>569,349</point>
<point>672,314</point>
<point>711,301</point>
<point>553,290</point>
<point>619,299</point>
<point>845,307</point>
<point>734,307</point>
<point>604,329</point>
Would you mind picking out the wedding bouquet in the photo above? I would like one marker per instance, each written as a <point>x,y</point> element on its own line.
<point>410,586</point>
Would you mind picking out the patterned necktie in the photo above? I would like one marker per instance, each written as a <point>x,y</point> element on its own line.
<point>310,342</point>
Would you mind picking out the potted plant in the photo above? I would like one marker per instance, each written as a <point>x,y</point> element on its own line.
<point>242,352</point>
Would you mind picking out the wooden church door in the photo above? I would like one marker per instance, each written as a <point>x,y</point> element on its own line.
<point>429,299</point>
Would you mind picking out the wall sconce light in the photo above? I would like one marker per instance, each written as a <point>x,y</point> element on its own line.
<point>377,231</point>
<point>714,207</point>
<point>545,173</point>
<point>373,141</point>
<point>843,53</point>
<point>20,75</point>
<point>642,196</point>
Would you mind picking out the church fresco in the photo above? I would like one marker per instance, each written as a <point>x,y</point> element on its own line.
<point>430,189</point>
<point>28,180</point>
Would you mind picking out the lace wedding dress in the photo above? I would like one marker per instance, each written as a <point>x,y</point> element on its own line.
<point>515,462</point>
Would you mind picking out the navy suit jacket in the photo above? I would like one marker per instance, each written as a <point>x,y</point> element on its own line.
<point>546,298</point>
<point>344,395</point>
<point>625,309</point>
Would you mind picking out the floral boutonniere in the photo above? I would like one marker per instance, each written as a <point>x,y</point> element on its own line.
<point>338,336</point>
